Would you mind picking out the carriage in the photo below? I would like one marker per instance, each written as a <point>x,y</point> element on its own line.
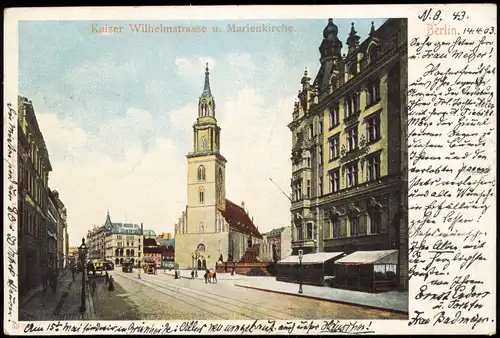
<point>127,267</point>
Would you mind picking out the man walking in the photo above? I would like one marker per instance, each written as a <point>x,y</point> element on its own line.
<point>138,273</point>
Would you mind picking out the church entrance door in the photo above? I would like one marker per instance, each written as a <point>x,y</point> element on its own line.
<point>204,264</point>
<point>199,264</point>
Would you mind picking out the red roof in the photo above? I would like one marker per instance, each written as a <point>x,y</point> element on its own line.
<point>238,220</point>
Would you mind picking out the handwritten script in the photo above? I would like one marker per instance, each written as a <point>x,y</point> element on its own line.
<point>451,126</point>
<point>201,327</point>
<point>10,211</point>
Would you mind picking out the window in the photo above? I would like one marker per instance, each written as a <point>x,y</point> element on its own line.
<point>202,228</point>
<point>334,117</point>
<point>335,223</point>
<point>373,52</point>
<point>308,188</point>
<point>375,221</point>
<point>309,231</point>
<point>352,138</point>
<point>320,154</point>
<point>373,93</point>
<point>311,131</point>
<point>373,167</point>
<point>373,128</point>
<point>297,187</point>
<point>320,186</point>
<point>204,145</point>
<point>201,173</point>
<point>334,142</point>
<point>354,224</point>
<point>320,127</point>
<point>335,180</point>
<point>353,68</point>
<point>202,195</point>
<point>352,174</point>
<point>300,233</point>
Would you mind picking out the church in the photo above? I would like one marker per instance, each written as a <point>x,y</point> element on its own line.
<point>212,229</point>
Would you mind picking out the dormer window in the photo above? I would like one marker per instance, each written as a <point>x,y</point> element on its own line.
<point>373,54</point>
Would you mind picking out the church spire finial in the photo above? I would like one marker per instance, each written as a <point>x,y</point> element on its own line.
<point>372,29</point>
<point>206,89</point>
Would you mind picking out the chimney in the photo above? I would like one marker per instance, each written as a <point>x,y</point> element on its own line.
<point>243,205</point>
<point>142,230</point>
<point>252,221</point>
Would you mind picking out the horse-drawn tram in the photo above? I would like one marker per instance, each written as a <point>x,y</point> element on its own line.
<point>127,266</point>
<point>149,266</point>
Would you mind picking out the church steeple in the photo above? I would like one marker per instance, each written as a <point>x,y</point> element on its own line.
<point>352,40</point>
<point>206,104</point>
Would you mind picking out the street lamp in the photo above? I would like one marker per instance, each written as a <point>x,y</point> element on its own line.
<point>82,252</point>
<point>301,255</point>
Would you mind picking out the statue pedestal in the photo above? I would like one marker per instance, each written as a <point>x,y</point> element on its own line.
<point>250,256</point>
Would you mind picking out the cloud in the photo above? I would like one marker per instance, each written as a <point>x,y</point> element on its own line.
<point>139,186</point>
<point>191,68</point>
<point>256,141</point>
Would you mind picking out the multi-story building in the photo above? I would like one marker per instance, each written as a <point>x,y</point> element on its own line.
<point>276,245</point>
<point>33,176</point>
<point>211,228</point>
<point>62,229</point>
<point>153,251</point>
<point>349,150</point>
<point>96,242</point>
<point>52,231</point>
<point>123,242</point>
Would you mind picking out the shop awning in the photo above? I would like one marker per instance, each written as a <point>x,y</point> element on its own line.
<point>370,257</point>
<point>313,258</point>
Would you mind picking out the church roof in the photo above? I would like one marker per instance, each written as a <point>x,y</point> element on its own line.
<point>238,220</point>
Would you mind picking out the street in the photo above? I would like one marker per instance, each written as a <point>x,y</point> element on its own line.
<point>160,297</point>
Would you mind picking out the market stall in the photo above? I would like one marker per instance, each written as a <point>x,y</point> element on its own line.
<point>369,271</point>
<point>311,270</point>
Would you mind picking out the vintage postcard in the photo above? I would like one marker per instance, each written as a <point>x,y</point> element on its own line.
<point>250,170</point>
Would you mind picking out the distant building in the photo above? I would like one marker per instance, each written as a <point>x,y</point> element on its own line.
<point>165,235</point>
<point>168,249</point>
<point>153,251</point>
<point>123,242</point>
<point>149,234</point>
<point>276,245</point>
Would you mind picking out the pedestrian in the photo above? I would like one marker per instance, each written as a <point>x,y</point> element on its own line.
<point>192,274</point>
<point>73,272</point>
<point>138,273</point>
<point>206,277</point>
<point>111,286</point>
<point>107,278</point>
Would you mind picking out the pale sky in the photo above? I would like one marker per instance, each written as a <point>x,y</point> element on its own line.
<point>116,112</point>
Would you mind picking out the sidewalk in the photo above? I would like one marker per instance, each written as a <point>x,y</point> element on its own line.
<point>388,301</point>
<point>63,305</point>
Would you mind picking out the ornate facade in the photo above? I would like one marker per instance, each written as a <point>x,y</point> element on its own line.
<point>211,227</point>
<point>349,155</point>
<point>33,176</point>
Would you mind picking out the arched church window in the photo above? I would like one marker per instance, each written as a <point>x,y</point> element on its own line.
<point>200,248</point>
<point>202,195</point>
<point>202,229</point>
<point>204,144</point>
<point>201,173</point>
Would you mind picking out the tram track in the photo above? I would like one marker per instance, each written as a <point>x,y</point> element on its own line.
<point>286,315</point>
<point>202,305</point>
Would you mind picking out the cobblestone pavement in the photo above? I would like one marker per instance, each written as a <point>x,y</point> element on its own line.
<point>62,305</point>
<point>114,305</point>
<point>157,297</point>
